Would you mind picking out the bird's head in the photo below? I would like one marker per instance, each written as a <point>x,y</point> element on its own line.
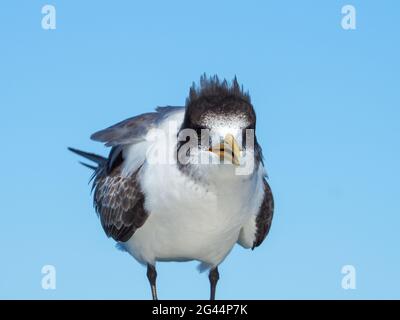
<point>217,136</point>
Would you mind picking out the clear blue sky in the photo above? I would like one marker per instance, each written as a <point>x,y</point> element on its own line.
<point>328,105</point>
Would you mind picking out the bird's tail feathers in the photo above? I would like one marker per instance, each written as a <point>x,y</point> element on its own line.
<point>99,160</point>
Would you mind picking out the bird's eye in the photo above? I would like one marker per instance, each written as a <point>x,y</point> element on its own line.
<point>203,135</point>
<point>250,127</point>
<point>199,127</point>
<point>245,133</point>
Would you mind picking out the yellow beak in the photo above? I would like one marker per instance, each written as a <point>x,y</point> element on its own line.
<point>228,150</point>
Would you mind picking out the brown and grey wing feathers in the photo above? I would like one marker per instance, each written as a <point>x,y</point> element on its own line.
<point>119,202</point>
<point>118,199</point>
<point>264,216</point>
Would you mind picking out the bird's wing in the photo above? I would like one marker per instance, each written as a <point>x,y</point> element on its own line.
<point>256,229</point>
<point>133,130</point>
<point>264,216</point>
<point>119,202</point>
<point>118,198</point>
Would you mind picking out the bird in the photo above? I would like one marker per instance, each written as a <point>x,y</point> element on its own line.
<point>184,183</point>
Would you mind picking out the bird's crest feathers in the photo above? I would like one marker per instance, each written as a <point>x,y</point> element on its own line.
<point>214,87</point>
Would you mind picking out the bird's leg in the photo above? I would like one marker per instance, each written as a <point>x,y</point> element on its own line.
<point>213,276</point>
<point>152,276</point>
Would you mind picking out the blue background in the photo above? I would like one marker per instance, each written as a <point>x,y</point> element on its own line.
<point>328,119</point>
